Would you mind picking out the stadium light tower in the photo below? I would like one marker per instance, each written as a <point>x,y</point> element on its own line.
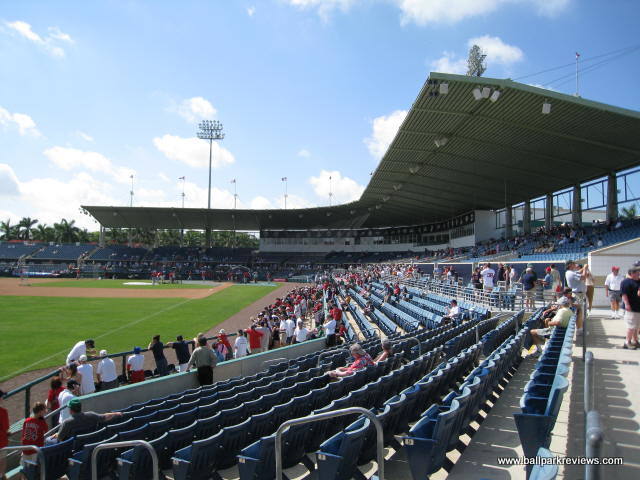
<point>284,180</point>
<point>210,130</point>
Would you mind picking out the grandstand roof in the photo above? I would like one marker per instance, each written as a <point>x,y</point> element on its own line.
<point>452,154</point>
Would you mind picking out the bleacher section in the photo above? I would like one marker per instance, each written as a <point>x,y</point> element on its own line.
<point>66,252</point>
<point>15,250</point>
<point>117,253</point>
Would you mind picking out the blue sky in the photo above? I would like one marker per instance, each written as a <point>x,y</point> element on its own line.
<point>93,92</point>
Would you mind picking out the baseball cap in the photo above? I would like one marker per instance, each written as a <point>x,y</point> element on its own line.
<point>615,268</point>
<point>569,262</point>
<point>72,383</point>
<point>82,358</point>
<point>564,301</point>
<point>136,349</point>
<point>75,404</point>
<point>103,353</point>
<point>222,332</point>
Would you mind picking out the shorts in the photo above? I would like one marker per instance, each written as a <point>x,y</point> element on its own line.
<point>544,332</point>
<point>615,296</point>
<point>530,294</point>
<point>632,319</point>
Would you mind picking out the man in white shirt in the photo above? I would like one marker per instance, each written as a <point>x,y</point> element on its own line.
<point>300,333</point>
<point>65,396</point>
<point>330,331</point>
<point>78,349</point>
<point>241,345</point>
<point>288,328</point>
<point>106,372</point>
<point>266,336</point>
<point>488,275</point>
<point>612,290</point>
<point>135,366</point>
<point>86,380</point>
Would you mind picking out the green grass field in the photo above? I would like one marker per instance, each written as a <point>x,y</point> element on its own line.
<point>38,332</point>
<point>91,283</point>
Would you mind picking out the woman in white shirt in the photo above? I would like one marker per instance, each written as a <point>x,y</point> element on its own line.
<point>241,345</point>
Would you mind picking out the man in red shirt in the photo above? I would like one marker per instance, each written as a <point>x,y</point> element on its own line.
<point>336,313</point>
<point>254,338</point>
<point>33,430</point>
<point>4,435</point>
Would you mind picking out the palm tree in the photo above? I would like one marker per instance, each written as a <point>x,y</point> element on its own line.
<point>25,227</point>
<point>8,232</point>
<point>117,235</point>
<point>66,231</point>
<point>629,213</point>
<point>193,238</point>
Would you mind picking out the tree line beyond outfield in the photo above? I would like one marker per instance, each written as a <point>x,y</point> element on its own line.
<point>66,231</point>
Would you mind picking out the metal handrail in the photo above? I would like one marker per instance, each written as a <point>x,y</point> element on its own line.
<point>29,447</point>
<point>330,352</point>
<point>130,443</point>
<point>594,439</point>
<point>332,414</point>
<point>27,386</point>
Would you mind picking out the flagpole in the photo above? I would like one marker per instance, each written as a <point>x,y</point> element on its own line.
<point>577,58</point>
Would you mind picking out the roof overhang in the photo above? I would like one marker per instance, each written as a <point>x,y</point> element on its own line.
<point>453,154</point>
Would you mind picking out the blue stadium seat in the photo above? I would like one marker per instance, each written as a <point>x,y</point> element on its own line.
<point>114,428</point>
<point>139,433</point>
<point>87,438</point>
<point>196,461</point>
<point>544,472</point>
<point>159,428</point>
<point>79,465</point>
<point>184,419</point>
<point>135,464</point>
<point>338,455</point>
<point>54,461</point>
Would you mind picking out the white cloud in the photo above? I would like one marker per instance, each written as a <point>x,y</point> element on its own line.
<point>323,7</point>
<point>496,50</point>
<point>49,43</point>
<point>295,201</point>
<point>85,136</point>
<point>195,109</point>
<point>163,176</point>
<point>9,186</point>
<point>304,153</point>
<point>24,123</point>
<point>261,203</point>
<point>73,158</point>
<point>448,63</point>
<point>192,151</point>
<point>251,11</point>
<point>344,189</point>
<point>551,8</point>
<point>383,132</point>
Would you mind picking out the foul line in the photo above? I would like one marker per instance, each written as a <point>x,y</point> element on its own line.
<point>122,327</point>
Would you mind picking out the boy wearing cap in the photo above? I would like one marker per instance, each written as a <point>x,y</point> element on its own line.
<point>68,394</point>
<point>86,380</point>
<point>560,319</point>
<point>612,290</point>
<point>135,366</point>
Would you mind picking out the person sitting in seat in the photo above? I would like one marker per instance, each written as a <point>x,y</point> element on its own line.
<point>362,360</point>
<point>387,352</point>
<point>452,313</point>
<point>81,422</point>
<point>561,318</point>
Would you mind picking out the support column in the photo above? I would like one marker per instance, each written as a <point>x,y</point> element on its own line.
<point>508,220</point>
<point>526,217</point>
<point>548,210</point>
<point>612,197</point>
<point>101,237</point>
<point>576,214</point>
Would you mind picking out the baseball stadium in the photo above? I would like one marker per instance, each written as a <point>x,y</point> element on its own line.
<point>472,314</point>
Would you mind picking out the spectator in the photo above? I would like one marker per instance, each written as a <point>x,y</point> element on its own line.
<point>629,289</point>
<point>85,370</point>
<point>362,360</point>
<point>55,388</point>
<point>556,286</point>
<point>106,372</point>
<point>387,352</point>
<point>33,431</point>
<point>68,394</point>
<point>241,345</point>
<point>70,372</point>
<point>135,366</point>
<point>80,422</point>
<point>529,280</point>
<point>488,275</point>
<point>4,435</point>
<point>224,339</point>
<point>561,318</point>
<point>330,332</point>
<point>574,277</point>
<point>255,338</point>
<point>288,326</point>
<point>275,336</point>
<point>547,286</point>
<point>266,336</point>
<point>84,347</point>
<point>204,360</point>
<point>612,290</point>
<point>157,347</point>
<point>182,352</point>
<point>452,312</point>
<point>300,333</point>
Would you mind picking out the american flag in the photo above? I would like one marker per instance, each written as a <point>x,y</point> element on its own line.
<point>284,179</point>
<point>577,55</point>
<point>181,178</point>
<point>233,181</point>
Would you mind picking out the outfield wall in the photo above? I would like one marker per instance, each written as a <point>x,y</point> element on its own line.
<point>117,399</point>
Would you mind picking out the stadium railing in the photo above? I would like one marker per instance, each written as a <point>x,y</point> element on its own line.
<point>26,388</point>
